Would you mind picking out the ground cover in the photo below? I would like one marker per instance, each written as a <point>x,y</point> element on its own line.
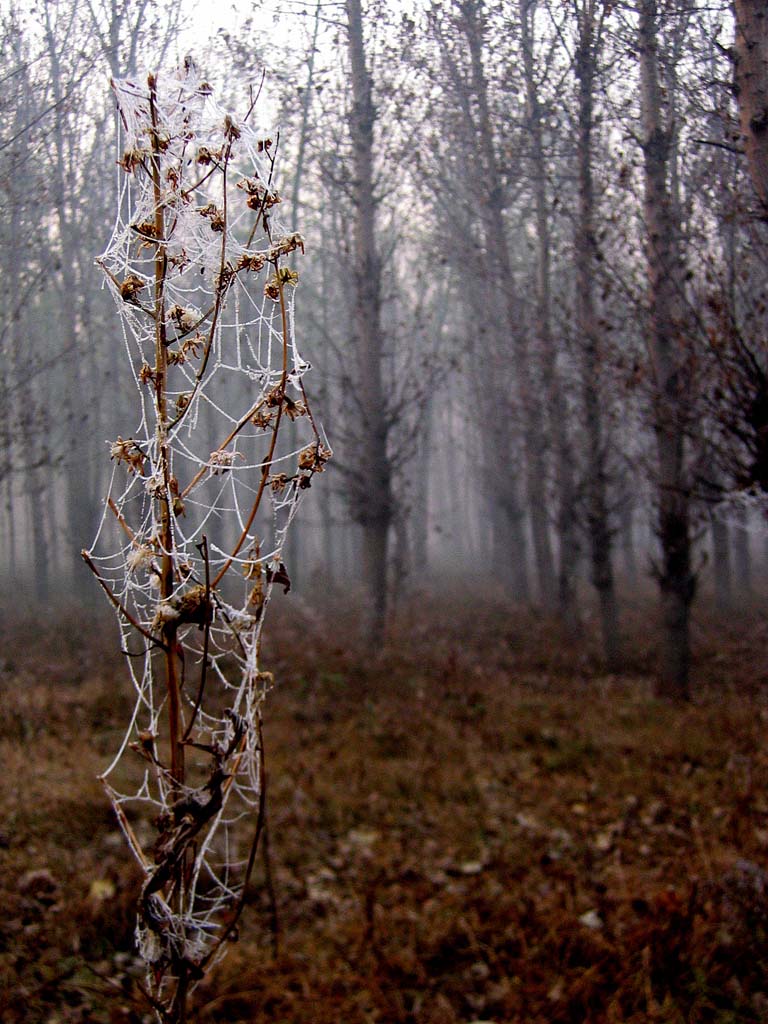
<point>473,825</point>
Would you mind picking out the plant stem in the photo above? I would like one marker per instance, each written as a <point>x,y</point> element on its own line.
<point>179,1004</point>
<point>163,454</point>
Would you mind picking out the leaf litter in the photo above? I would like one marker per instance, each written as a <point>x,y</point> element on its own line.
<point>454,836</point>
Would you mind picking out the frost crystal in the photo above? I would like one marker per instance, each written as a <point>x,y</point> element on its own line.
<point>192,250</point>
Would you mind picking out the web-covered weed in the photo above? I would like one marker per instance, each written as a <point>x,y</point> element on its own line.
<point>202,493</point>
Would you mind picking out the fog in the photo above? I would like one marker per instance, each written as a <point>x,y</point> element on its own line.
<point>533,300</point>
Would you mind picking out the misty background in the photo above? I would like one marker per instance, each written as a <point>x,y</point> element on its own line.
<point>534,297</point>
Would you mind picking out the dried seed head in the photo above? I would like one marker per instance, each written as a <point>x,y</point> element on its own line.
<point>221,461</point>
<point>261,419</point>
<point>147,739</point>
<point>133,158</point>
<point>146,229</point>
<point>314,457</point>
<point>256,596</point>
<point>127,451</point>
<point>252,569</point>
<point>285,245</point>
<point>252,186</point>
<point>278,482</point>
<point>186,318</point>
<point>130,288</point>
<point>190,345</point>
<point>194,605</point>
<point>231,130</point>
<point>160,138</point>
<point>215,215</point>
<point>180,260</point>
<point>251,261</point>
<point>140,557</point>
<point>283,276</point>
<point>293,410</point>
<point>275,396</point>
<point>259,196</point>
<point>307,458</point>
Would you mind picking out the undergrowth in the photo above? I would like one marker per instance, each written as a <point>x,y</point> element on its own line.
<point>460,829</point>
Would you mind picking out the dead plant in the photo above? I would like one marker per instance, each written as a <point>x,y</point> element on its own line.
<point>201,496</point>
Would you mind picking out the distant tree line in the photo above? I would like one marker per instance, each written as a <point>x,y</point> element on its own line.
<point>535,298</point>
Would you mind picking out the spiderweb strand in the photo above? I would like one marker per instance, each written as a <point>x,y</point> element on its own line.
<point>201,497</point>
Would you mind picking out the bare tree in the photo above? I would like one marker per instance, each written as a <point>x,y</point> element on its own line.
<point>566,516</point>
<point>667,337</point>
<point>461,32</point>
<point>589,31</point>
<point>751,52</point>
<point>373,504</point>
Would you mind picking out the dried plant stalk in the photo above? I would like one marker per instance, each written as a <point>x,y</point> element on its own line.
<point>190,544</point>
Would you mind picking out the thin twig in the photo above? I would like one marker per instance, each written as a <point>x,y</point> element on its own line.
<point>203,549</point>
<point>267,463</point>
<point>261,813</point>
<point>116,602</point>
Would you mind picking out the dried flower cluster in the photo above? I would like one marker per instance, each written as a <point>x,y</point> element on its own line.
<point>190,544</point>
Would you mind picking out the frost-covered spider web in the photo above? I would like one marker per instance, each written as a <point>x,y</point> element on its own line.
<point>203,490</point>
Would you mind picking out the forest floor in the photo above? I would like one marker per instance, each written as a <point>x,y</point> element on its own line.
<point>475,825</point>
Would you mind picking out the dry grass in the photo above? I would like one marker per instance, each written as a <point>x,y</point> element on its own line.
<point>475,825</point>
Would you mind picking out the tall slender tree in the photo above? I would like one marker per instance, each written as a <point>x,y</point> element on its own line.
<point>751,53</point>
<point>542,331</point>
<point>668,338</point>
<point>589,19</point>
<point>467,19</point>
<point>373,502</point>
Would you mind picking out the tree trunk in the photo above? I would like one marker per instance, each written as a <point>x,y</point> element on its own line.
<point>600,533</point>
<point>421,484</point>
<point>80,498</point>
<point>627,533</point>
<point>9,563</point>
<point>296,546</point>
<point>498,246</point>
<point>751,47</point>
<point>37,526</point>
<point>742,562</point>
<point>566,513</point>
<point>509,545</point>
<point>667,340</point>
<point>721,563</point>
<point>374,504</point>
<point>328,565</point>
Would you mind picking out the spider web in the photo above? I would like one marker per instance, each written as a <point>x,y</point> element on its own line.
<point>202,492</point>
